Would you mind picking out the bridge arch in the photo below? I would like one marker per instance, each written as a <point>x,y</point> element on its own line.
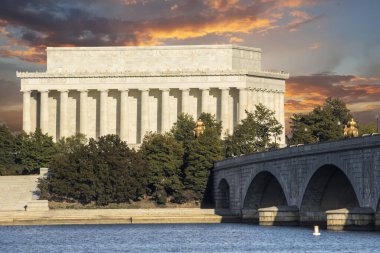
<point>264,190</point>
<point>328,188</point>
<point>223,198</point>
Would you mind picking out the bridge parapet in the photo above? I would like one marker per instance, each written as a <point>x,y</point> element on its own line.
<point>315,178</point>
<point>301,150</point>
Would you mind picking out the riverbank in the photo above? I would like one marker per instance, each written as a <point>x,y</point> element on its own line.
<point>114,216</point>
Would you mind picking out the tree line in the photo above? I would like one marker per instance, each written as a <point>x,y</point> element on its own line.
<point>174,166</point>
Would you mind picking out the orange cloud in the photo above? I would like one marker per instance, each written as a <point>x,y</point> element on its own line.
<point>295,3</point>
<point>222,5</point>
<point>31,54</point>
<point>191,30</point>
<point>236,40</point>
<point>361,94</point>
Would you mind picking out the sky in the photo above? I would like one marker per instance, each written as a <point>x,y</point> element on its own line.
<point>331,48</point>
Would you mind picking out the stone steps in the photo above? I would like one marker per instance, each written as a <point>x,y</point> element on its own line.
<point>17,191</point>
<point>112,216</point>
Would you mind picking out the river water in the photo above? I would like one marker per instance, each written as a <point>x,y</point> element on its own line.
<point>182,238</point>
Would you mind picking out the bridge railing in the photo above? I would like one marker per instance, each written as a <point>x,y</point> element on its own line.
<point>301,150</point>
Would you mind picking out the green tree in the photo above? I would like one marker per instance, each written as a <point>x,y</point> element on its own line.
<point>71,175</point>
<point>7,150</point>
<point>203,152</point>
<point>69,144</point>
<point>163,155</point>
<point>183,130</point>
<point>34,151</point>
<point>369,128</point>
<point>301,130</point>
<point>324,123</point>
<point>258,132</point>
<point>120,171</point>
<point>105,171</point>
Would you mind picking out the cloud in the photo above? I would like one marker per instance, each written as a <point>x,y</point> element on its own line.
<point>300,18</point>
<point>361,94</point>
<point>30,26</point>
<point>236,40</point>
<point>222,5</point>
<point>10,107</point>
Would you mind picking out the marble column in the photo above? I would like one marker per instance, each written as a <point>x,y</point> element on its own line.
<point>255,98</point>
<point>184,100</point>
<point>250,99</point>
<point>242,103</point>
<point>124,114</point>
<point>26,119</point>
<point>165,117</point>
<point>83,112</point>
<point>277,105</point>
<point>44,111</point>
<point>103,130</point>
<point>224,101</point>
<point>205,98</point>
<point>282,117</point>
<point>63,112</point>
<point>265,98</point>
<point>144,114</point>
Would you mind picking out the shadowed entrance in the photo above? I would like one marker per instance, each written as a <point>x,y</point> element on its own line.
<point>328,189</point>
<point>264,191</point>
<point>224,189</point>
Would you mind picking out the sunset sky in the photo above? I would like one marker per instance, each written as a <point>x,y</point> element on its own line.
<point>329,47</point>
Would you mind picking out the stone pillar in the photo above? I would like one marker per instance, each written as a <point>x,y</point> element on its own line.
<point>184,100</point>
<point>205,97</point>
<point>270,100</point>
<point>259,94</point>
<point>26,119</point>
<point>282,118</point>
<point>165,117</point>
<point>265,98</point>
<point>83,112</point>
<point>144,112</point>
<point>279,216</point>
<point>124,114</point>
<point>103,130</point>
<point>63,112</point>
<point>44,111</point>
<point>357,218</point>
<point>224,110</point>
<point>250,99</point>
<point>242,103</point>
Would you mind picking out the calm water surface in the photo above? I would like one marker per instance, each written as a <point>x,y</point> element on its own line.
<point>182,238</point>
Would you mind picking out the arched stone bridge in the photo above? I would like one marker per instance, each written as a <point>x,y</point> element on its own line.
<point>310,179</point>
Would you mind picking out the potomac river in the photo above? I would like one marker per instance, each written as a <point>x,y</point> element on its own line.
<point>182,238</point>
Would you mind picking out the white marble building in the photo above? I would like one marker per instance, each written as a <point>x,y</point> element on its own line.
<point>131,90</point>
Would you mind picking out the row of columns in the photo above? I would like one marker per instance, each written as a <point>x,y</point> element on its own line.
<point>244,103</point>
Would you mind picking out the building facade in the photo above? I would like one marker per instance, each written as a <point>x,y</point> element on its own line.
<point>133,90</point>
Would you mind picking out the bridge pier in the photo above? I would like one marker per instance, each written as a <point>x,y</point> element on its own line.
<point>250,216</point>
<point>377,221</point>
<point>313,218</point>
<point>355,219</point>
<point>316,178</point>
<point>279,216</point>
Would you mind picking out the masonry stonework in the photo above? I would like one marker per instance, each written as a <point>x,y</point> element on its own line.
<point>312,178</point>
<point>132,90</point>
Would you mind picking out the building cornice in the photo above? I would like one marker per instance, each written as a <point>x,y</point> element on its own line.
<point>141,48</point>
<point>268,74</point>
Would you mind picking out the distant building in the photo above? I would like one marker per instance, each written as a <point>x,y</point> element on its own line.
<point>132,90</point>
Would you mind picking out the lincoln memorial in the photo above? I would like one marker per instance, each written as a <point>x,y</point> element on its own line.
<point>133,90</point>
